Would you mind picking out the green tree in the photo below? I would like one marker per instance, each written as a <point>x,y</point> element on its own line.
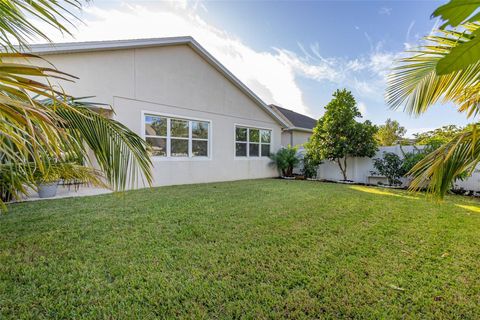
<point>42,126</point>
<point>446,69</point>
<point>338,135</point>
<point>437,137</point>
<point>390,133</point>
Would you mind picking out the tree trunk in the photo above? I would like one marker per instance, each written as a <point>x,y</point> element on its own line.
<point>343,168</point>
<point>290,171</point>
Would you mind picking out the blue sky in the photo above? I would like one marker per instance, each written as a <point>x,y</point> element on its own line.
<point>291,53</point>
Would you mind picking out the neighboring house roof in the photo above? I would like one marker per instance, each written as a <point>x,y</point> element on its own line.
<point>73,47</point>
<point>297,121</point>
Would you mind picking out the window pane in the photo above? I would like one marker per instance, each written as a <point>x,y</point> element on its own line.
<point>265,136</point>
<point>265,150</point>
<point>179,128</point>
<point>199,129</point>
<point>155,126</point>
<point>253,149</point>
<point>199,148</point>
<point>158,146</point>
<point>241,149</point>
<point>254,135</point>
<point>241,134</point>
<point>179,148</point>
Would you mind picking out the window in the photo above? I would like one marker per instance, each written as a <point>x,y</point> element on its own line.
<point>252,142</point>
<point>179,138</point>
<point>199,139</point>
<point>156,135</point>
<point>172,137</point>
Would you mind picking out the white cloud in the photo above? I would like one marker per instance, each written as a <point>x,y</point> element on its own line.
<point>355,65</point>
<point>381,62</point>
<point>385,11</point>
<point>270,74</point>
<point>362,107</point>
<point>412,131</point>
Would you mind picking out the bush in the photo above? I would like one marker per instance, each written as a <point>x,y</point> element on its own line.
<point>310,166</point>
<point>391,166</point>
<point>410,159</point>
<point>286,159</point>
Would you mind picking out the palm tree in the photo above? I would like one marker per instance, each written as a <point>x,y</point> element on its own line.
<point>42,126</point>
<point>416,83</point>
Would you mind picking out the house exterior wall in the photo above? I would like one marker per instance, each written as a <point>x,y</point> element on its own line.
<point>286,138</point>
<point>294,137</point>
<point>300,137</point>
<point>173,81</point>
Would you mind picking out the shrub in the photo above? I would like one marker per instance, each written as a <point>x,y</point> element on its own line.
<point>391,166</point>
<point>286,159</point>
<point>410,159</point>
<point>310,166</point>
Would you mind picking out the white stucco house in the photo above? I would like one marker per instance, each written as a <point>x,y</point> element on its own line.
<point>203,123</point>
<point>300,127</point>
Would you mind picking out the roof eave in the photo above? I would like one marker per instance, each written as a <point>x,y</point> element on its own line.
<point>90,46</point>
<point>299,129</point>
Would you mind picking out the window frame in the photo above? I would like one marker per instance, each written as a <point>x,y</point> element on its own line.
<point>248,127</point>
<point>190,139</point>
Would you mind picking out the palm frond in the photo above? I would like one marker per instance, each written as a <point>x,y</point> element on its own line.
<point>121,154</point>
<point>438,170</point>
<point>17,27</point>
<point>25,122</point>
<point>41,126</point>
<point>416,85</point>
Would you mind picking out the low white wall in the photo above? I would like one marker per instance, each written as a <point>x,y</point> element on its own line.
<point>359,169</point>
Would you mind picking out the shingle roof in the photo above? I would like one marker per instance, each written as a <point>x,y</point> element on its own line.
<point>296,119</point>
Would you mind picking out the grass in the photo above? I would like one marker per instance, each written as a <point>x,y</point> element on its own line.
<point>250,249</point>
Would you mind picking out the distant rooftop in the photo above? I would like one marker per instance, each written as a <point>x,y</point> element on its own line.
<point>297,120</point>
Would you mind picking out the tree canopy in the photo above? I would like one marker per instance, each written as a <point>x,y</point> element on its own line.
<point>437,137</point>
<point>390,133</point>
<point>338,135</point>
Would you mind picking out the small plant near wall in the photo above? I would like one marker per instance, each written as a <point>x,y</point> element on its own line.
<point>310,166</point>
<point>286,159</point>
<point>390,166</point>
<point>48,180</point>
<point>410,159</point>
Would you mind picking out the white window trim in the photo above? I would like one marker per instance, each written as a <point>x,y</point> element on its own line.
<point>248,127</point>
<point>170,116</point>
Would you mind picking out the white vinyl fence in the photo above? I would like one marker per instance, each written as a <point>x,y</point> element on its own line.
<point>360,170</point>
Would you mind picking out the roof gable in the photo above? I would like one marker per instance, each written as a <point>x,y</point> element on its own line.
<point>296,120</point>
<point>73,47</point>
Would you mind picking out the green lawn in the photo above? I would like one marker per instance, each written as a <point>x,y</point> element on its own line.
<point>254,249</point>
